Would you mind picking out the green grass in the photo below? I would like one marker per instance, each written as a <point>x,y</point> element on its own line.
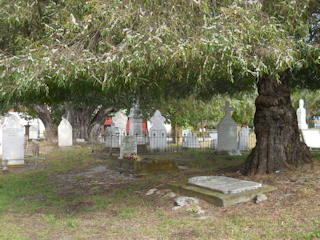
<point>31,208</point>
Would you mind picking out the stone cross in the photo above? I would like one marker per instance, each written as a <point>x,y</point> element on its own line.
<point>227,109</point>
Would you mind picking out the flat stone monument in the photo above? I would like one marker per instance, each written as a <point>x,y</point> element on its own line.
<point>64,133</point>
<point>158,132</point>
<point>220,190</point>
<point>244,138</point>
<point>227,134</point>
<point>13,141</point>
<point>223,184</point>
<point>128,146</point>
<point>311,137</point>
<point>302,115</point>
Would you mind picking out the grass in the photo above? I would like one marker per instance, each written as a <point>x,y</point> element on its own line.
<point>39,204</point>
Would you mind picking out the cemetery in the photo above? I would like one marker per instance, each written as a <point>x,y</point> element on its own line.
<point>159,119</point>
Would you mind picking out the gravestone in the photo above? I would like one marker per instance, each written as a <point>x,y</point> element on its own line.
<point>1,124</point>
<point>244,138</point>
<point>302,115</point>
<point>136,120</point>
<point>120,122</point>
<point>311,137</point>
<point>128,147</point>
<point>64,133</point>
<point>113,139</point>
<point>222,191</point>
<point>13,141</point>
<point>158,132</point>
<point>223,184</point>
<point>36,129</point>
<point>227,133</point>
<point>191,141</point>
<point>214,139</point>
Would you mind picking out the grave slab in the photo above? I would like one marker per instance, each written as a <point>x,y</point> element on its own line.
<point>221,191</point>
<point>223,184</point>
<point>311,137</point>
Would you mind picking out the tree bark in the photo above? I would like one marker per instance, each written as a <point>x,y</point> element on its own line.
<point>44,114</point>
<point>86,121</point>
<point>276,127</point>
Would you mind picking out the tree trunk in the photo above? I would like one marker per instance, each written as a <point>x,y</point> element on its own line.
<point>97,121</point>
<point>79,118</point>
<point>276,127</point>
<point>86,121</point>
<point>44,114</point>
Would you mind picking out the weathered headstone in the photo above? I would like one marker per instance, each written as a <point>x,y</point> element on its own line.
<point>120,123</point>
<point>302,115</point>
<point>64,133</point>
<point>36,129</point>
<point>311,137</point>
<point>244,138</point>
<point>1,124</point>
<point>191,141</point>
<point>13,141</point>
<point>158,133</point>
<point>214,139</point>
<point>128,147</point>
<point>227,134</point>
<point>113,139</point>
<point>136,120</point>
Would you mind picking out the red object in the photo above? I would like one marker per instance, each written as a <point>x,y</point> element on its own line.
<point>108,121</point>
<point>144,126</point>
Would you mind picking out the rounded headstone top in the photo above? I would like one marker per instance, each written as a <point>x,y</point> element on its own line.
<point>12,121</point>
<point>135,112</point>
<point>301,103</point>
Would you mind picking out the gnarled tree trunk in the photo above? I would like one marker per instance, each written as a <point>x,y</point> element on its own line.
<point>86,121</point>
<point>44,114</point>
<point>276,127</point>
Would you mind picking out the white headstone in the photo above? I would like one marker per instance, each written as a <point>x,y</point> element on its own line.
<point>128,147</point>
<point>302,115</point>
<point>158,132</point>
<point>244,138</point>
<point>113,137</point>
<point>120,121</point>
<point>191,141</point>
<point>1,125</point>
<point>311,137</point>
<point>214,139</point>
<point>13,141</point>
<point>36,129</point>
<point>227,133</point>
<point>136,120</point>
<point>64,133</point>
